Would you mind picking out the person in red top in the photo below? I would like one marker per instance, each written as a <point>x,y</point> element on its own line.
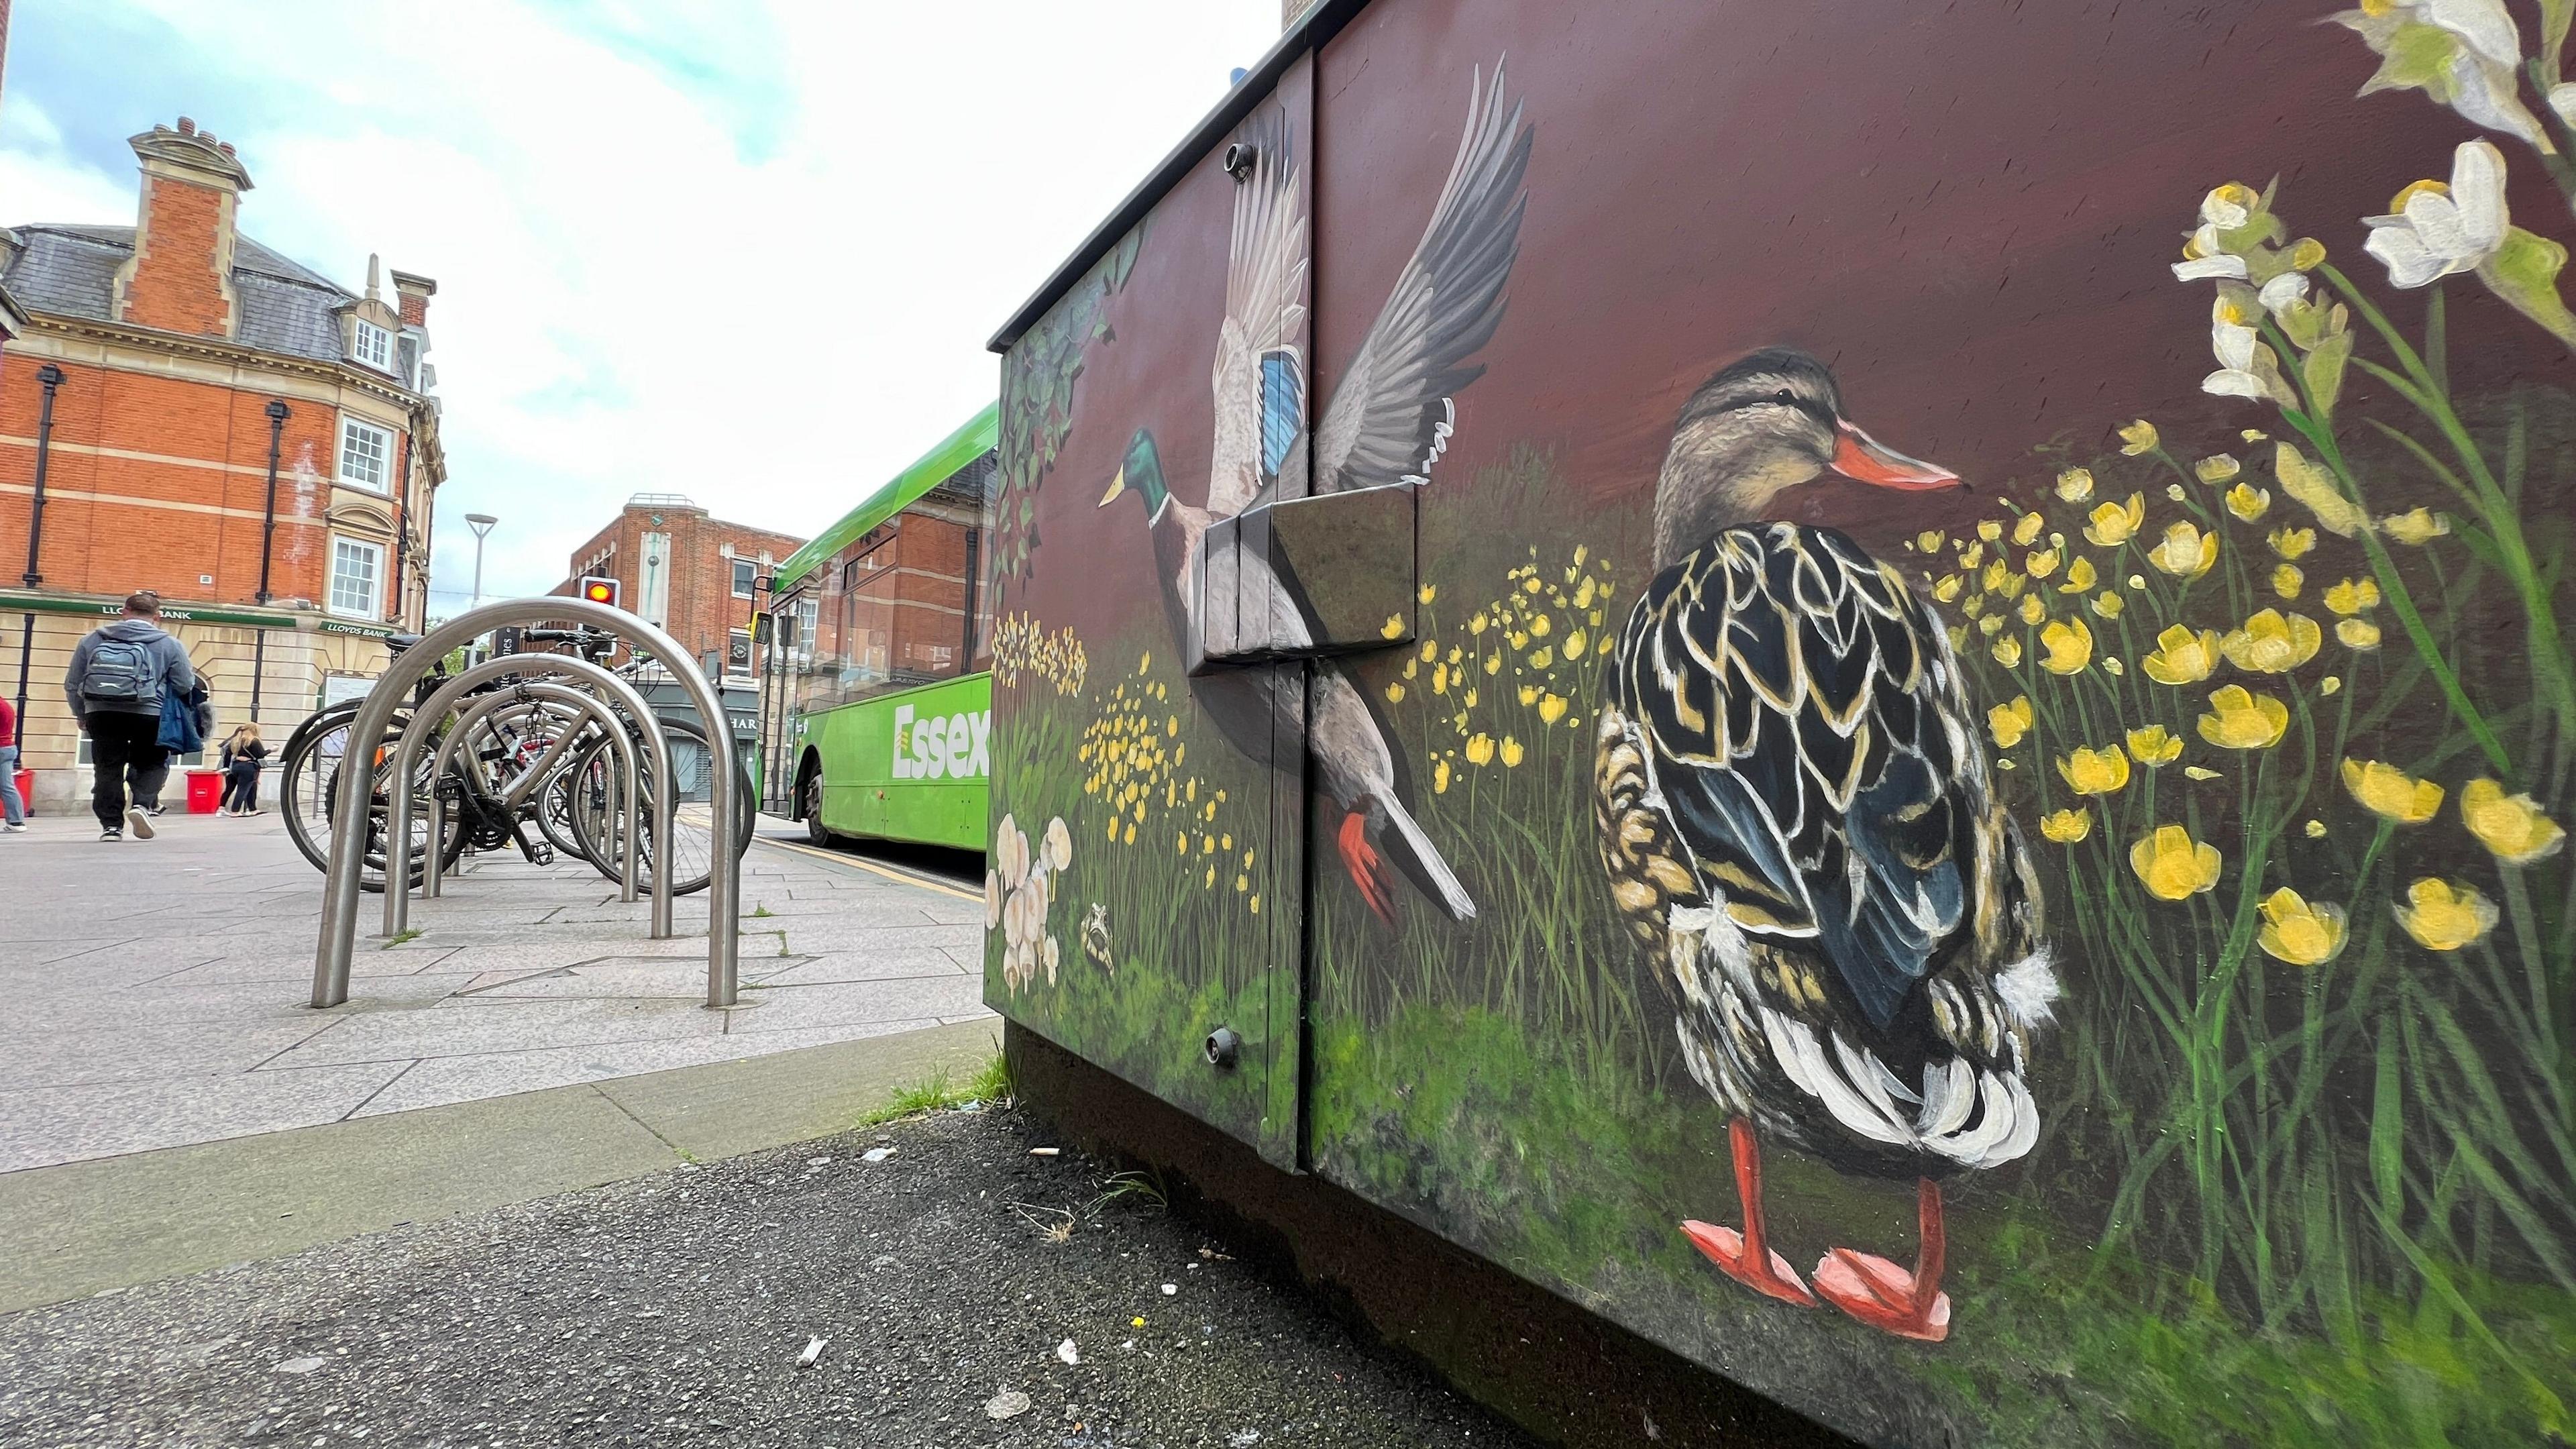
<point>11,806</point>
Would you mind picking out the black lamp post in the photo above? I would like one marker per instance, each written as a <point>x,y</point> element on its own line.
<point>278,413</point>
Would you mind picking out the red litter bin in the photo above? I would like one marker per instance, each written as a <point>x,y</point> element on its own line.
<point>27,790</point>
<point>205,791</point>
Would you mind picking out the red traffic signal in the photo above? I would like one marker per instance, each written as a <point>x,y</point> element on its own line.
<point>600,590</point>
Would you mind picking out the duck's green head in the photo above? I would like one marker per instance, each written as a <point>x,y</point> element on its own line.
<point>1143,472</point>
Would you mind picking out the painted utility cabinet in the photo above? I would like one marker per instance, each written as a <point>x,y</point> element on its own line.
<point>1881,688</point>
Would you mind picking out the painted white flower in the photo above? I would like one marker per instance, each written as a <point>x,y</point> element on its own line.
<point>2438,228</point>
<point>1059,844</point>
<point>2283,292</point>
<point>2466,54</point>
<point>2205,256</point>
<point>2246,368</point>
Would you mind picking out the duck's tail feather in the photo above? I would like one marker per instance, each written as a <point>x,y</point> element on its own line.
<point>1418,860</point>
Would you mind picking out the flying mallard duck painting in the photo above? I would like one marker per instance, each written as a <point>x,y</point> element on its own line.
<point>1387,423</point>
<point>1796,819</point>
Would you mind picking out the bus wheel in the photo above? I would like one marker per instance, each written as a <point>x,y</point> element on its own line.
<point>814,830</point>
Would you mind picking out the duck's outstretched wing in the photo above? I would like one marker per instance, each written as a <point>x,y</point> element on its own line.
<point>1390,417</point>
<point>1805,728</point>
<point>1259,376</point>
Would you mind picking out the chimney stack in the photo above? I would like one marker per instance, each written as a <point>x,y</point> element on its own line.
<point>180,278</point>
<point>415,293</point>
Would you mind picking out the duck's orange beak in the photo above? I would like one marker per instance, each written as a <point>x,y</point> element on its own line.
<point>1862,458</point>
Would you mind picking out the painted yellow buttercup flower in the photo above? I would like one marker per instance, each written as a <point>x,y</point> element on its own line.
<point>1990,529</point>
<point>2153,746</point>
<point>1427,593</point>
<point>1395,692</point>
<point>2273,642</point>
<point>2181,656</point>
<point>1480,749</point>
<point>2066,826</point>
<point>2173,866</point>
<point>1552,708</point>
<point>2390,792</point>
<point>2445,915</point>
<point>2511,827</point>
<point>2007,652</point>
<point>2112,524</point>
<point>1440,778</point>
<point>2249,502</point>
<point>2138,437</point>
<point>2215,469</point>
<point>2292,542</point>
<point>2241,720</point>
<point>2351,596</point>
<point>2287,580</point>
<point>2042,562</point>
<point>2330,684</point>
<point>2358,633</point>
<point>2026,528</point>
<point>2095,772</point>
<point>2300,932</point>
<point>2032,609</point>
<point>2316,829</point>
<point>2186,552</point>
<point>2418,526</point>
<point>2068,644</point>
<point>2080,577</point>
<point>1990,625</point>
<point>1393,628</point>
<point>1947,587</point>
<point>1971,556</point>
<point>2109,605</point>
<point>2009,722</point>
<point>1930,540</point>
<point>2075,485</point>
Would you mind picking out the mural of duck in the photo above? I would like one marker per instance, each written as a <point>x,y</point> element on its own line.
<point>1258,710</point>
<point>1797,823</point>
<point>1387,423</point>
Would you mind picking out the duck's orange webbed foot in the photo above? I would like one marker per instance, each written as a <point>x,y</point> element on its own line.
<point>1773,1277</point>
<point>1887,1297</point>
<point>1744,1256</point>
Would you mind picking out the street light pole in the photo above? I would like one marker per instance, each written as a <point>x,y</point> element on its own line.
<point>481,523</point>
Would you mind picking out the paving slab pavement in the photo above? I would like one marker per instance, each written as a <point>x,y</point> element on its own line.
<point>157,988</point>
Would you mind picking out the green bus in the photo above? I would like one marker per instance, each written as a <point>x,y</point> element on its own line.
<point>877,689</point>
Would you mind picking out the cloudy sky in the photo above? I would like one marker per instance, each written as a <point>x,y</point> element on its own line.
<point>746,252</point>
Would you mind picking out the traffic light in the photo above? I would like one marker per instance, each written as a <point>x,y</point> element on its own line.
<point>599,590</point>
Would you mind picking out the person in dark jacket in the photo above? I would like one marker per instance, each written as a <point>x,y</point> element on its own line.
<point>118,675</point>
<point>241,755</point>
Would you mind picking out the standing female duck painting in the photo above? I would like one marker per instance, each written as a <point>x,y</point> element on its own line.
<point>1796,820</point>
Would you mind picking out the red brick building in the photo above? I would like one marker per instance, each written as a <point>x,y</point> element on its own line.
<point>690,574</point>
<point>213,421</point>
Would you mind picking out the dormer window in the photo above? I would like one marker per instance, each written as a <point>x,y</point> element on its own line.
<point>372,346</point>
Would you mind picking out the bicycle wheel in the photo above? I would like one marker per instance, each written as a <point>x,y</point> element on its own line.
<point>309,792</point>
<point>600,827</point>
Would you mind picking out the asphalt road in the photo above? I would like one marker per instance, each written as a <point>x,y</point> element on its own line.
<point>951,1283</point>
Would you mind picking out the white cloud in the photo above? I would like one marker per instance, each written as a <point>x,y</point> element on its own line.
<point>747,255</point>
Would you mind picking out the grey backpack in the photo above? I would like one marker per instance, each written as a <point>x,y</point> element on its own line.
<point>120,669</point>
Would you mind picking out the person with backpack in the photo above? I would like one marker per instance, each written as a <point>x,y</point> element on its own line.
<point>240,759</point>
<point>119,675</point>
<point>11,807</point>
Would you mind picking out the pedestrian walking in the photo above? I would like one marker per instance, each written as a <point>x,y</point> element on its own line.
<point>13,811</point>
<point>120,673</point>
<point>240,759</point>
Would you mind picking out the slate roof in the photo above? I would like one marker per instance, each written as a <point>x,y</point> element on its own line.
<point>285,307</point>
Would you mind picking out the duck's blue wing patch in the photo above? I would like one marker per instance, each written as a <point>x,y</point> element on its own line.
<point>1283,407</point>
